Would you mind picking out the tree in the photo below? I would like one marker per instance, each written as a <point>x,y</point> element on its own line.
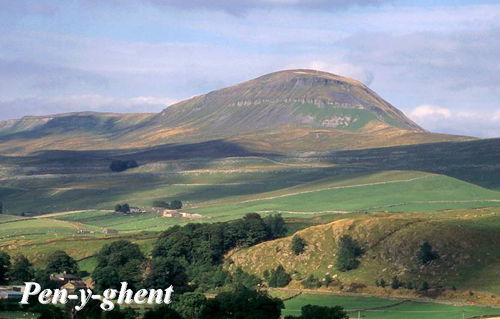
<point>311,282</point>
<point>162,312</point>
<point>347,255</point>
<point>59,261</point>
<point>118,208</point>
<point>190,304</point>
<point>276,225</point>
<point>161,204</point>
<point>327,280</point>
<point>241,278</point>
<point>120,166</point>
<point>21,271</point>
<point>298,245</point>
<point>166,271</point>
<point>124,260</point>
<point>279,277</point>
<point>395,283</point>
<point>1,208</point>
<point>48,311</point>
<point>4,266</point>
<point>243,303</point>
<point>266,274</point>
<point>383,283</point>
<point>176,204</point>
<point>105,277</point>
<point>426,254</point>
<point>425,286</point>
<point>320,312</point>
<point>125,208</point>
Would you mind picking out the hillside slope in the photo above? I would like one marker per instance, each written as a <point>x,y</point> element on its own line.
<point>463,239</point>
<point>285,112</point>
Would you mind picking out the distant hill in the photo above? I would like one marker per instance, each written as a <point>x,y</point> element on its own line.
<point>291,111</point>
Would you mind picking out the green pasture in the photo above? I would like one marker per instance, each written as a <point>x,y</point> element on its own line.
<point>427,193</point>
<point>407,310</point>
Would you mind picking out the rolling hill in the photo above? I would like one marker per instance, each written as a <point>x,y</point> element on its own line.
<point>286,112</point>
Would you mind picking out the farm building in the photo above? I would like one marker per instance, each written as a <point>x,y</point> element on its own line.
<point>136,210</point>
<point>63,278</point>
<point>109,231</point>
<point>10,295</point>
<point>74,285</point>
<point>187,215</point>
<point>169,213</point>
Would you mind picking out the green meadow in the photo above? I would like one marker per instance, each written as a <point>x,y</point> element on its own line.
<point>407,310</point>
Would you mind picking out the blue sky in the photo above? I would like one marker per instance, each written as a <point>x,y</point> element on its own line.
<point>438,61</point>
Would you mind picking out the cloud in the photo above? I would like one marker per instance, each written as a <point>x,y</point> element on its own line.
<point>242,6</point>
<point>471,123</point>
<point>425,111</point>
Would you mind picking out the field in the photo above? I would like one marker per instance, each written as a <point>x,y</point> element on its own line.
<point>405,310</point>
<point>390,200</point>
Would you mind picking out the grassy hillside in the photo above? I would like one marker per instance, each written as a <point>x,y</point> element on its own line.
<point>465,240</point>
<point>304,110</point>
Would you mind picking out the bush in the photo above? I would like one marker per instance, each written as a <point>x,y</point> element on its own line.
<point>176,204</point>
<point>120,166</point>
<point>349,251</point>
<point>125,208</point>
<point>426,254</point>
<point>298,245</point>
<point>395,283</point>
<point>425,286</point>
<point>383,284</point>
<point>311,282</point>
<point>279,277</point>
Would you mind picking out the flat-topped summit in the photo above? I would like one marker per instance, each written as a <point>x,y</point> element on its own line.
<point>298,97</point>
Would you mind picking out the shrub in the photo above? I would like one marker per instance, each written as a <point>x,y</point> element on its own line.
<point>349,251</point>
<point>311,282</point>
<point>426,254</point>
<point>120,166</point>
<point>298,245</point>
<point>395,283</point>
<point>279,277</point>
<point>425,286</point>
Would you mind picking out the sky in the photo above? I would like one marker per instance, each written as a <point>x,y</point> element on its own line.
<point>438,61</point>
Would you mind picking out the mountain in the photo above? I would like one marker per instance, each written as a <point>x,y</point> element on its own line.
<point>290,111</point>
<point>303,97</point>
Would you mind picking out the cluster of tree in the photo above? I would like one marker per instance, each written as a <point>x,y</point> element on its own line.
<point>320,312</point>
<point>426,254</point>
<point>241,302</point>
<point>187,257</point>
<point>348,253</point>
<point>175,204</point>
<point>199,248</point>
<point>396,284</point>
<point>122,208</point>
<point>278,277</point>
<point>116,262</point>
<point>120,166</point>
<point>20,269</point>
<point>298,245</point>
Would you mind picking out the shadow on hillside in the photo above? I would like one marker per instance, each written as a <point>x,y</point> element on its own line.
<point>476,162</point>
